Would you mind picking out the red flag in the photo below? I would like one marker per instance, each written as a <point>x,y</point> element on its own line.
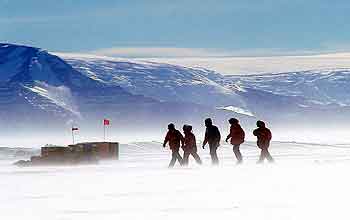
<point>74,129</point>
<point>105,122</point>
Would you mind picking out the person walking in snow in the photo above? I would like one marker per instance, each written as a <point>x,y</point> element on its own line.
<point>264,137</point>
<point>175,139</point>
<point>190,146</point>
<point>237,136</point>
<point>212,137</point>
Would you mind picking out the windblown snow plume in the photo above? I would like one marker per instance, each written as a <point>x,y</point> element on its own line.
<point>58,95</point>
<point>237,110</point>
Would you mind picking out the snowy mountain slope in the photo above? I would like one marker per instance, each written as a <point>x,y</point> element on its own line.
<point>254,96</point>
<point>22,64</point>
<point>22,105</point>
<point>303,96</point>
<point>38,88</point>
<point>34,82</point>
<point>297,98</point>
<point>40,82</point>
<point>163,82</point>
<point>321,87</point>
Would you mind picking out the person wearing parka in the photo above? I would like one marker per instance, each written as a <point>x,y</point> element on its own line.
<point>264,137</point>
<point>175,140</point>
<point>237,136</point>
<point>190,146</point>
<point>212,137</point>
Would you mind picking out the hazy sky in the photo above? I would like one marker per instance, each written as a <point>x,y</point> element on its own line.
<point>180,27</point>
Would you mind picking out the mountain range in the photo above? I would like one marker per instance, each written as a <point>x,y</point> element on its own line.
<point>47,91</point>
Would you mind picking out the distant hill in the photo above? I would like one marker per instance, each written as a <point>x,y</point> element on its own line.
<point>41,90</point>
<point>293,97</point>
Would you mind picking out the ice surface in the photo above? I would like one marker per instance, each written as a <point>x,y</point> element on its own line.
<point>308,181</point>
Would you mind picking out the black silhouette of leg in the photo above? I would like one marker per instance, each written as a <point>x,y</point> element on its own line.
<point>214,156</point>
<point>261,157</point>
<point>185,158</point>
<point>269,157</point>
<point>172,161</point>
<point>178,157</point>
<point>238,153</point>
<point>196,157</point>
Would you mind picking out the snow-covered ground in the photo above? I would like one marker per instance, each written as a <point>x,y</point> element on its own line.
<point>308,181</point>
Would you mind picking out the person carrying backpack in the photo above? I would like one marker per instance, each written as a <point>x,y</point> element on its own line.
<point>264,137</point>
<point>175,139</point>
<point>190,146</point>
<point>237,136</point>
<point>212,137</point>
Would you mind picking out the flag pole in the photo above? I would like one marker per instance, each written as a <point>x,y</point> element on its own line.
<point>72,135</point>
<point>105,124</point>
<point>104,132</point>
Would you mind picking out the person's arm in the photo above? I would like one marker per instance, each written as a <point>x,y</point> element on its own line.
<point>270,135</point>
<point>219,135</point>
<point>182,139</point>
<point>166,140</point>
<point>229,135</point>
<point>243,134</point>
<point>195,142</point>
<point>255,132</point>
<point>205,139</point>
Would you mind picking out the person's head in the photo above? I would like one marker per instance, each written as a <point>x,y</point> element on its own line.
<point>233,121</point>
<point>187,128</point>
<point>208,122</point>
<point>171,127</point>
<point>260,124</point>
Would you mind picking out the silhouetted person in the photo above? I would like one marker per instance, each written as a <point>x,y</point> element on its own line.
<point>212,137</point>
<point>190,146</point>
<point>237,136</point>
<point>175,139</point>
<point>264,137</point>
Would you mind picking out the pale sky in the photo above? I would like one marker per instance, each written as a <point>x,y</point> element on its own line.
<point>158,28</point>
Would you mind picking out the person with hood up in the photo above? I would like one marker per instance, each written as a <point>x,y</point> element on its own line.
<point>212,137</point>
<point>264,137</point>
<point>237,136</point>
<point>175,139</point>
<point>190,146</point>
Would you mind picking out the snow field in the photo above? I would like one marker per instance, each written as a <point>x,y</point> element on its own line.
<point>307,182</point>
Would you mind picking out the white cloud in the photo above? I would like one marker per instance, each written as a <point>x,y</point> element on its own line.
<point>239,62</point>
<point>258,65</point>
<point>141,52</point>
